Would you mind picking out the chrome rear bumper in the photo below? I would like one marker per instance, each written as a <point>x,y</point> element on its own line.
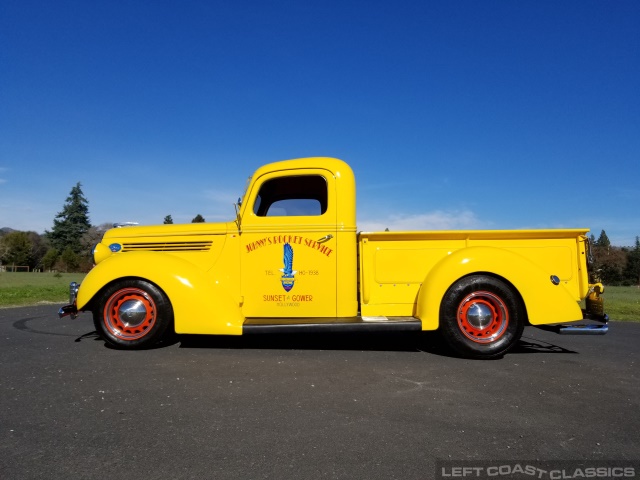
<point>599,328</point>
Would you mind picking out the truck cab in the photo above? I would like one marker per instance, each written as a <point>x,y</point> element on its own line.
<point>298,253</point>
<point>293,261</point>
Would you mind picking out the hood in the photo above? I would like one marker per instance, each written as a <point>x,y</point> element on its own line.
<point>163,231</point>
<point>189,237</point>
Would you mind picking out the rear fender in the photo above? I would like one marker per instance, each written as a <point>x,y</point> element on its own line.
<point>544,302</point>
<point>201,302</point>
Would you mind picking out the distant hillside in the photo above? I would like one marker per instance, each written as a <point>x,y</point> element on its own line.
<point>5,230</point>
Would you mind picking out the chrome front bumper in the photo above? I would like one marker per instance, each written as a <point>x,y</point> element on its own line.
<point>71,309</point>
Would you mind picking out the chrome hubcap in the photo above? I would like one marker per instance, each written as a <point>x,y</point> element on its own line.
<point>132,313</point>
<point>479,316</point>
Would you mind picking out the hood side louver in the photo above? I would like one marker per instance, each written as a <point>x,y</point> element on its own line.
<point>167,247</point>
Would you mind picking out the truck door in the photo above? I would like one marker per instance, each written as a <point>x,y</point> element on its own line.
<point>288,245</point>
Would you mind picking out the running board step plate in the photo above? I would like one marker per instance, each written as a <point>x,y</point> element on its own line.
<point>330,325</point>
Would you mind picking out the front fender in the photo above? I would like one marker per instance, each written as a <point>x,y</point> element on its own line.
<point>201,302</point>
<point>544,302</point>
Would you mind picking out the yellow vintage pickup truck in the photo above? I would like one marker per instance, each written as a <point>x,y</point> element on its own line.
<point>293,261</point>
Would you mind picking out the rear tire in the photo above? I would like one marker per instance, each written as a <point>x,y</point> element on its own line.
<point>481,317</point>
<point>132,314</point>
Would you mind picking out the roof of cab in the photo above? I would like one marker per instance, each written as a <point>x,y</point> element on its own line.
<point>336,166</point>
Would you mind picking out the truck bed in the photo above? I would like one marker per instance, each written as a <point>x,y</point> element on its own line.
<point>393,265</point>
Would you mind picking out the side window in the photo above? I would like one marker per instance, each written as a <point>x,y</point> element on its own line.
<point>304,195</point>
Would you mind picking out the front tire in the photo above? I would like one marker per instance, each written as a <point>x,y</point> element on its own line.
<point>481,317</point>
<point>132,314</point>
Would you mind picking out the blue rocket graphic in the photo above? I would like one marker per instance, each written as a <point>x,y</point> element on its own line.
<point>288,273</point>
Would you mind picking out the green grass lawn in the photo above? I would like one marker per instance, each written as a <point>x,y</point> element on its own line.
<point>622,303</point>
<point>21,288</point>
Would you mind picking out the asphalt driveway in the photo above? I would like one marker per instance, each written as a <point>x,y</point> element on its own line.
<point>304,406</point>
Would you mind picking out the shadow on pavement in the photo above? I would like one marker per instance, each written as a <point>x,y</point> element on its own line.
<point>530,345</point>
<point>428,342</point>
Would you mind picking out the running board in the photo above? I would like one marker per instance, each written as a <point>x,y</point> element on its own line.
<point>331,325</point>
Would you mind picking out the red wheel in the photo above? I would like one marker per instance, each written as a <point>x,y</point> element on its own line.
<point>129,314</point>
<point>132,314</point>
<point>481,316</point>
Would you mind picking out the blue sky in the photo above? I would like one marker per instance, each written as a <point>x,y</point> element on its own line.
<point>453,114</point>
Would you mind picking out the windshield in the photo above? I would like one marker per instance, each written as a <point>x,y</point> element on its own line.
<point>246,187</point>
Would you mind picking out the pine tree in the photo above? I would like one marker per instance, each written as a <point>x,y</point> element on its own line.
<point>71,223</point>
<point>603,240</point>
<point>168,220</point>
<point>198,219</point>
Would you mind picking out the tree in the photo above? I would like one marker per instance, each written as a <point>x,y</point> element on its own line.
<point>603,240</point>
<point>50,258</point>
<point>632,270</point>
<point>39,247</point>
<point>198,219</point>
<point>609,264</point>
<point>168,220</point>
<point>70,260</point>
<point>71,223</point>
<point>94,235</point>
<point>16,249</point>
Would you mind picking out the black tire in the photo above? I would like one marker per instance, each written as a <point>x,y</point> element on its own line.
<point>132,314</point>
<point>481,317</point>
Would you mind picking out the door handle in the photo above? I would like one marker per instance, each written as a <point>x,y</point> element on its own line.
<point>326,238</point>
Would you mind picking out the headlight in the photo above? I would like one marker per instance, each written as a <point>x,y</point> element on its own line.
<point>100,252</point>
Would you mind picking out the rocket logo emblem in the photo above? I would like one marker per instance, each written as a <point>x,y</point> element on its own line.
<point>288,273</point>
